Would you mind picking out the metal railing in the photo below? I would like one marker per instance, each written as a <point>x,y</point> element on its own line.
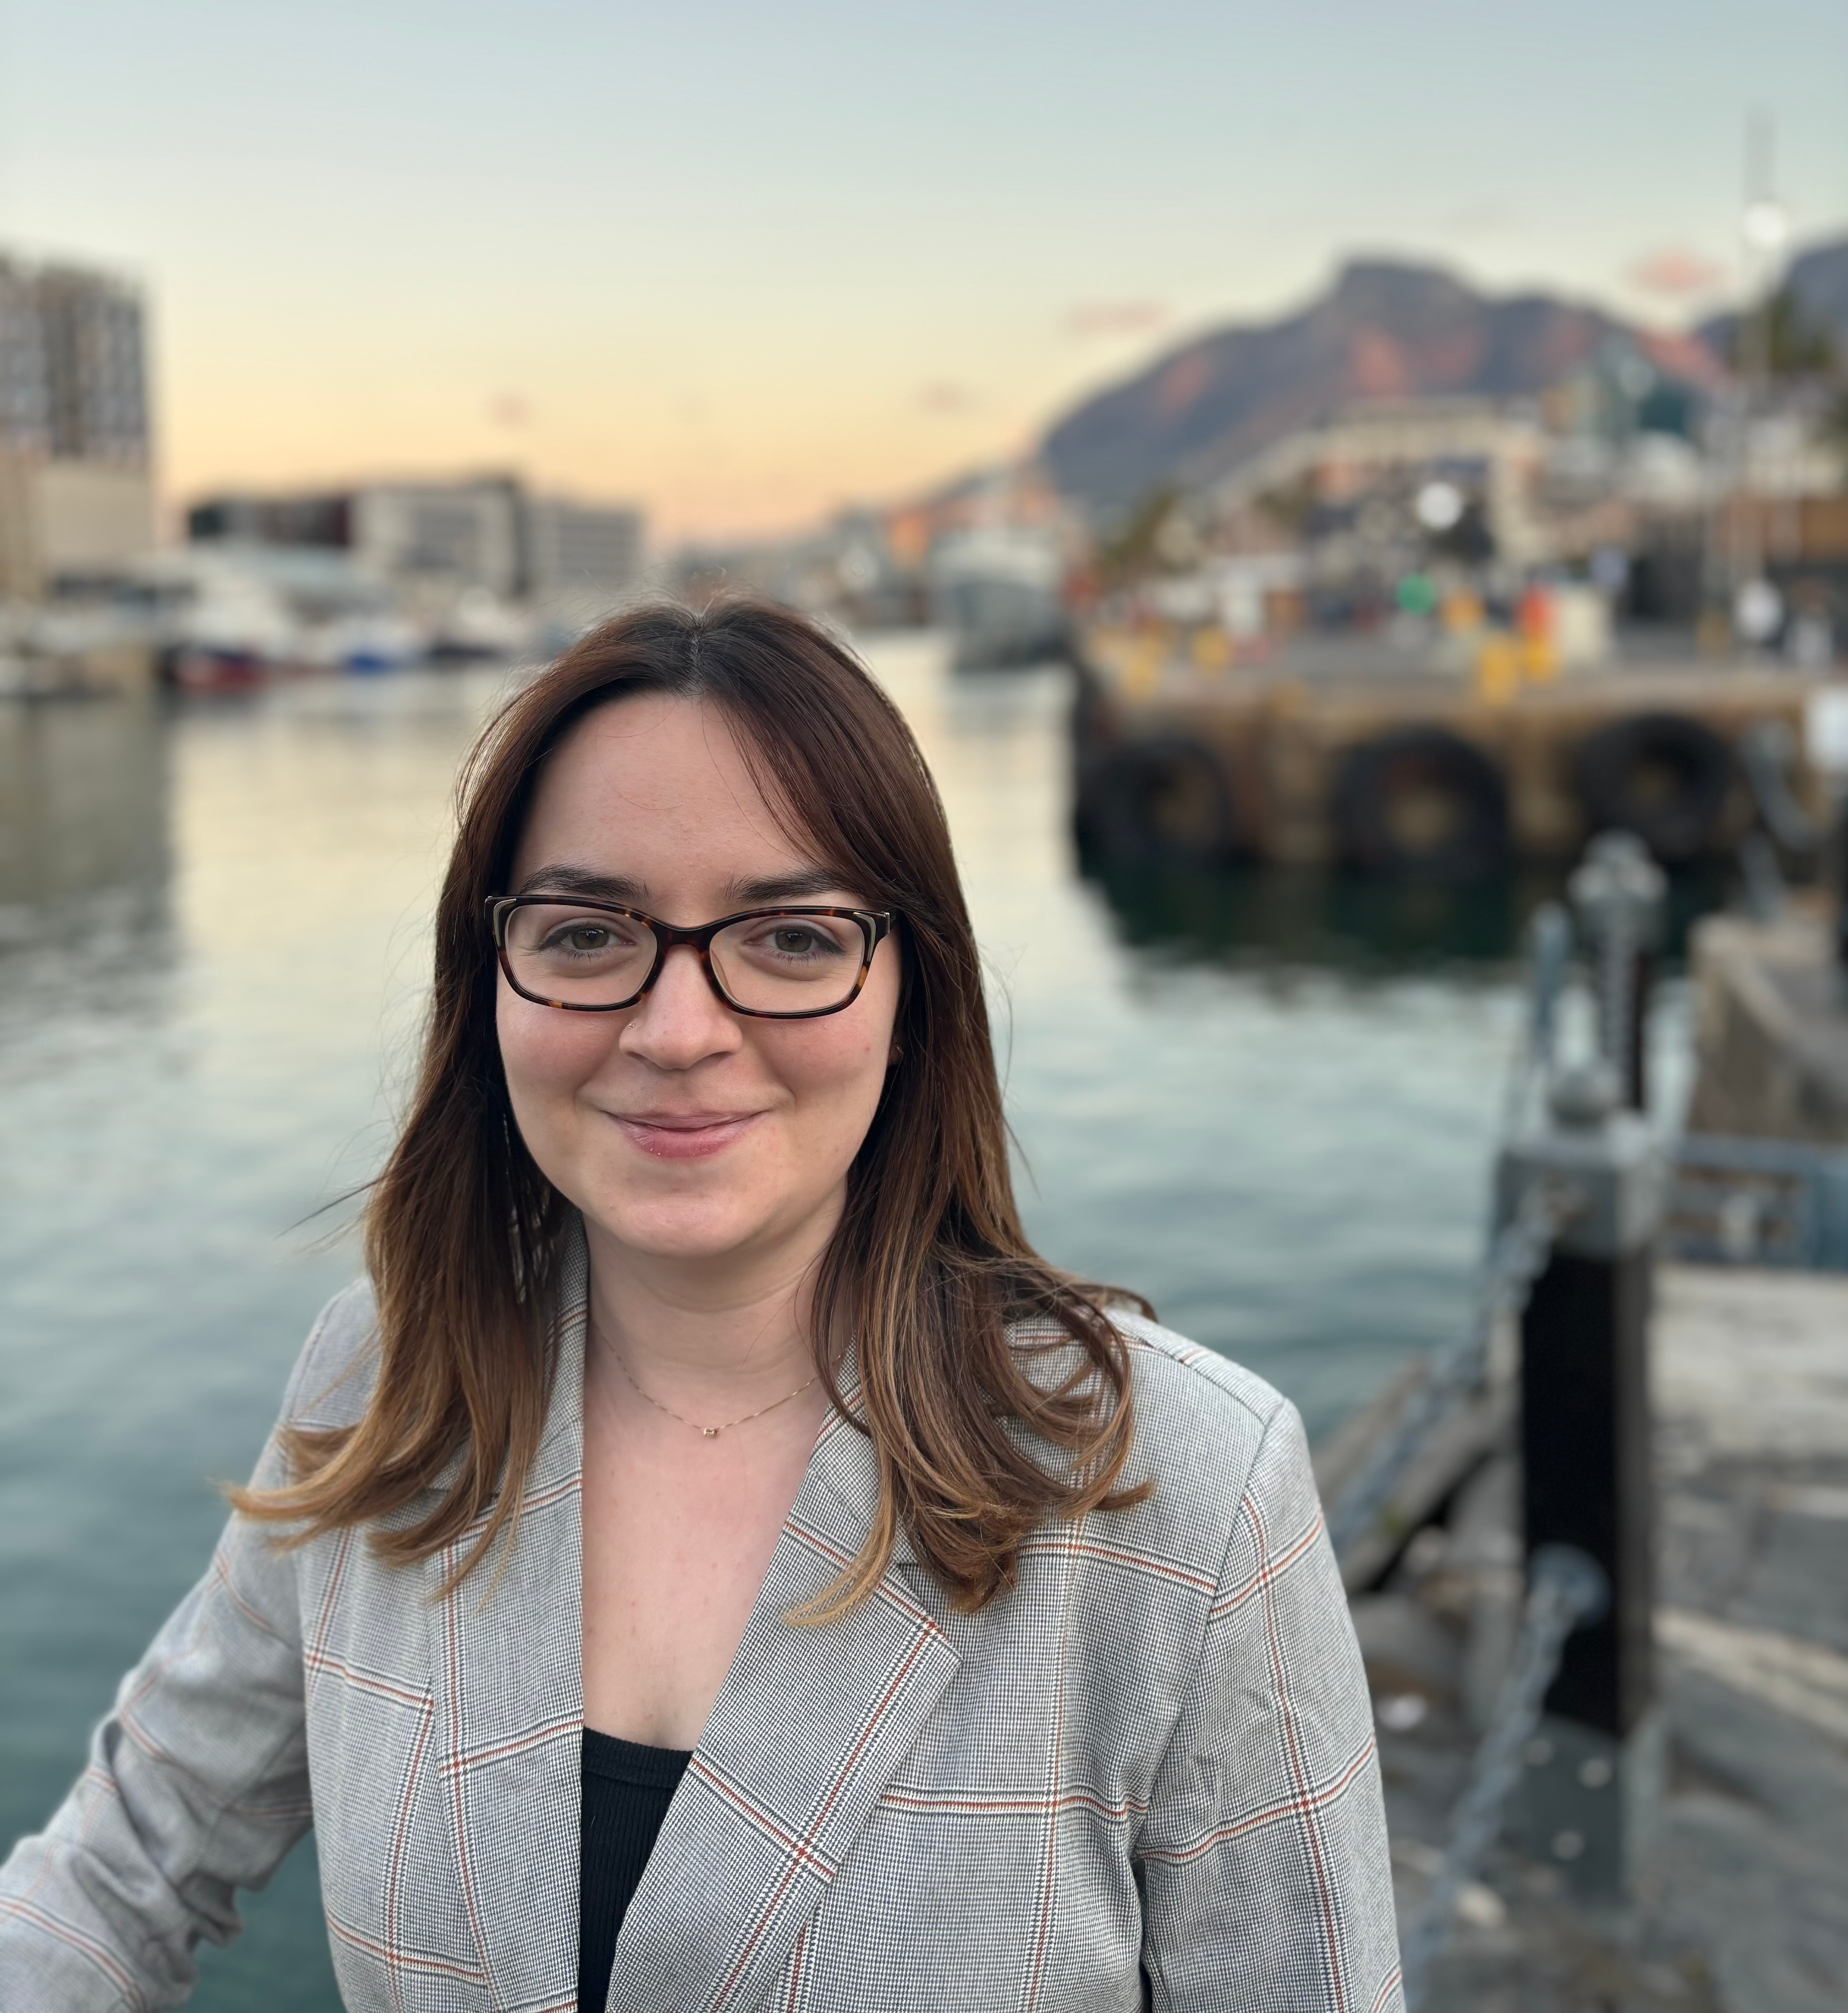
<point>1757,1202</point>
<point>1516,1256</point>
<point>1565,1591</point>
<point>1581,1177</point>
<point>1547,1194</point>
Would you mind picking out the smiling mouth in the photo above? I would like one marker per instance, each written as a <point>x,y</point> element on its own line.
<point>685,1136</point>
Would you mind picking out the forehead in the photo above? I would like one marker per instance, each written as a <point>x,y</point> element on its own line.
<point>645,781</point>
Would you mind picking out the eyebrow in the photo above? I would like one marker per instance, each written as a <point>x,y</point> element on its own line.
<point>790,886</point>
<point>563,879</point>
<point>566,880</point>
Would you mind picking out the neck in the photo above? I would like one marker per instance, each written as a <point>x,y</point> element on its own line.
<point>705,1335</point>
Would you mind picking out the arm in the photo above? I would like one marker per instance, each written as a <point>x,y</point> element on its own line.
<point>1267,1884</point>
<point>197,1784</point>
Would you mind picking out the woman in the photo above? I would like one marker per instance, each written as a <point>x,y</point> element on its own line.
<point>712,1562</point>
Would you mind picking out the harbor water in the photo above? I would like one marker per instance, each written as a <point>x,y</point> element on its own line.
<point>1269,1103</point>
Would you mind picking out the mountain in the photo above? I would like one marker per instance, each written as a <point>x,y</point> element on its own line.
<point>1817,279</point>
<point>1384,330</point>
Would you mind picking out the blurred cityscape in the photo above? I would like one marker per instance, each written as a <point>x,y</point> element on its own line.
<point>1403,460</point>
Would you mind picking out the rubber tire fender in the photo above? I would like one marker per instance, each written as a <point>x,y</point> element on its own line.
<point>1605,766</point>
<point>1166,797</point>
<point>1376,771</point>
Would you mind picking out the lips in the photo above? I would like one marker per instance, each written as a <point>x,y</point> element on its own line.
<point>692,1135</point>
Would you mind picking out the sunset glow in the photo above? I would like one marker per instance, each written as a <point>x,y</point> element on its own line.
<point>747,266</point>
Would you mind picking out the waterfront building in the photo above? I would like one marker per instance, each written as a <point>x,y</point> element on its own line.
<point>430,535</point>
<point>96,371</point>
<point>77,499</point>
<point>574,550</point>
<point>1382,449</point>
<point>25,389</point>
<point>436,540</point>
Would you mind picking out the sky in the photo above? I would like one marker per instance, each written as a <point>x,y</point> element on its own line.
<point>745,264</point>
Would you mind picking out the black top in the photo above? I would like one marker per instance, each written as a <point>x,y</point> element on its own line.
<point>626,1791</point>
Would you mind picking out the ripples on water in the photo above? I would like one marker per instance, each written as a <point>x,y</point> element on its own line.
<point>1268,1102</point>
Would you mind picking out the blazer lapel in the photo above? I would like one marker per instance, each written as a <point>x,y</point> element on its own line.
<point>809,1727</point>
<point>508,1653</point>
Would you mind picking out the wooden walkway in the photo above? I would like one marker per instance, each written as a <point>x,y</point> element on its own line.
<point>1748,1912</point>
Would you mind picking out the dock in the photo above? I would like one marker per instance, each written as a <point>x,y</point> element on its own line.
<point>1772,1037</point>
<point>1388,763</point>
<point>1596,1548</point>
<point>1746,1910</point>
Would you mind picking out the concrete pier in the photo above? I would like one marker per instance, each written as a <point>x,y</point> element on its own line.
<point>1745,1908</point>
<point>1771,1033</point>
<point>1395,767</point>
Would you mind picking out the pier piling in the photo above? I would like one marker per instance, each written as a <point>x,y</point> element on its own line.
<point>1586,1803</point>
<point>1841,893</point>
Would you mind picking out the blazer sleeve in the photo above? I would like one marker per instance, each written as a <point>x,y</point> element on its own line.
<point>1266,1878</point>
<point>197,1785</point>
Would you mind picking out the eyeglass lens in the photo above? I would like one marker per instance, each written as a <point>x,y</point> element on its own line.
<point>771,963</point>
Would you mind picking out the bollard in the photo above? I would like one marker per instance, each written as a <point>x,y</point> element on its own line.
<point>1617,895</point>
<point>1588,1799</point>
<point>1841,903</point>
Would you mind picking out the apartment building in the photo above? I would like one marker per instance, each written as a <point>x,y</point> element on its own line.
<point>577,553</point>
<point>428,537</point>
<point>77,499</point>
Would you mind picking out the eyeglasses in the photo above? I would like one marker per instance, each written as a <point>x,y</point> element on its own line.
<point>595,957</point>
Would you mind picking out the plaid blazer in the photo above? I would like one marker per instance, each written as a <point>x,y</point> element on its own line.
<point>1144,1776</point>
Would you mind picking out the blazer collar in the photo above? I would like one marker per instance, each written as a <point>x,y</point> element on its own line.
<point>810,1726</point>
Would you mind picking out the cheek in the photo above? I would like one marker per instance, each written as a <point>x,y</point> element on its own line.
<point>836,1074</point>
<point>837,1068</point>
<point>546,1053</point>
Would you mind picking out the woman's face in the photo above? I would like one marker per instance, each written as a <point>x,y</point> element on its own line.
<point>683,1131</point>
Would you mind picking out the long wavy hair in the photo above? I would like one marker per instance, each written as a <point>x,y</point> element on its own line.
<point>995,1390</point>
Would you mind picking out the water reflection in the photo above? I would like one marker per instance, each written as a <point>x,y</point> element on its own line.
<point>1301,917</point>
<point>214,961</point>
<point>1355,924</point>
<point>85,857</point>
<point>83,797</point>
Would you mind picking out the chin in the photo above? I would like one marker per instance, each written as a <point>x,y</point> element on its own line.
<point>668,1230</point>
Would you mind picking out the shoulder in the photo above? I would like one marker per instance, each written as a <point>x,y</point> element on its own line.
<point>1219,1443</point>
<point>333,1378</point>
<point>1182,1387</point>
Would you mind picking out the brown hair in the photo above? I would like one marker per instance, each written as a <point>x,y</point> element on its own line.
<point>930,1267</point>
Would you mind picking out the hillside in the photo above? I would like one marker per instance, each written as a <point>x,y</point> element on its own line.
<point>1384,330</point>
<point>1818,278</point>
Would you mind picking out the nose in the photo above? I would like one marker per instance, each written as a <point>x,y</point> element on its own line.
<point>679,1021</point>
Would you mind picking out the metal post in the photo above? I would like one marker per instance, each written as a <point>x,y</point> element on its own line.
<point>1617,897</point>
<point>1841,904</point>
<point>1587,1798</point>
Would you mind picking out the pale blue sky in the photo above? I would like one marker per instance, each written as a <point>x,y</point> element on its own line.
<point>745,263</point>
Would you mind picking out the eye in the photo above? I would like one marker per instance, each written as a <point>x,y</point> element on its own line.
<point>790,943</point>
<point>798,940</point>
<point>570,934</point>
<point>582,937</point>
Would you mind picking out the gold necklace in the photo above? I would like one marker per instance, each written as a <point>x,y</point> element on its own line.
<point>705,1433</point>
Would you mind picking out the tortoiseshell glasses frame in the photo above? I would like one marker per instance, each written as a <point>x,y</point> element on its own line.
<point>874,925</point>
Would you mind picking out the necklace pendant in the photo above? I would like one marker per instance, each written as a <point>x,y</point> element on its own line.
<point>711,1432</point>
